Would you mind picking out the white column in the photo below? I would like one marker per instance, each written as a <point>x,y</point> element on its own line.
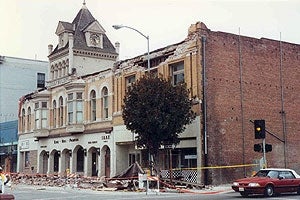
<point>71,55</point>
<point>71,164</point>
<point>50,169</point>
<point>85,169</point>
<point>60,165</point>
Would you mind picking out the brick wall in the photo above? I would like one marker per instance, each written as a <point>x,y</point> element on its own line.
<point>230,133</point>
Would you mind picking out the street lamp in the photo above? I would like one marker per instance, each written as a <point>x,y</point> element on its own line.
<point>147,37</point>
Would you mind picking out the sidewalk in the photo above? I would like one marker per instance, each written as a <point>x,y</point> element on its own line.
<point>211,189</point>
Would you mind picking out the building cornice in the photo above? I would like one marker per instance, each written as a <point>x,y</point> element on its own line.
<point>95,54</point>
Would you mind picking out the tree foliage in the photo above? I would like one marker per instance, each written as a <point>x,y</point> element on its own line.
<point>157,111</point>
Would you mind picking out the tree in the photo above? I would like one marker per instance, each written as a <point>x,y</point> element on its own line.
<point>157,111</point>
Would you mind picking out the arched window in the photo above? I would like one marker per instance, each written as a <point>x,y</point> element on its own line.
<point>29,120</point>
<point>93,105</point>
<point>23,120</point>
<point>104,102</point>
<point>61,111</point>
<point>54,114</point>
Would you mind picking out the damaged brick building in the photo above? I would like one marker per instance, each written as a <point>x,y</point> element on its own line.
<point>248,79</point>
<point>75,123</point>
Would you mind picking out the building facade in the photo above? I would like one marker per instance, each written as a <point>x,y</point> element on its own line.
<point>76,125</point>
<point>18,76</point>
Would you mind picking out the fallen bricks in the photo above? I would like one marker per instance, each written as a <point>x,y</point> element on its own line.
<point>94,183</point>
<point>74,181</point>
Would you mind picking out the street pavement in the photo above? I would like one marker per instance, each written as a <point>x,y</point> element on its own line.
<point>29,192</point>
<point>223,192</point>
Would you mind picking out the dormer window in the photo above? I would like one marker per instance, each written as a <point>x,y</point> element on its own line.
<point>94,34</point>
<point>61,40</point>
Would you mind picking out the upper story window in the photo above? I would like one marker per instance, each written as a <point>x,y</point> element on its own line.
<point>129,81</point>
<point>44,115</point>
<point>37,116</point>
<point>61,40</point>
<point>177,72</point>
<point>93,105</point>
<point>41,115</point>
<point>61,112</point>
<point>75,108</point>
<point>54,114</point>
<point>105,102</point>
<point>70,108</point>
<point>23,120</point>
<point>40,80</point>
<point>29,119</point>
<point>79,107</point>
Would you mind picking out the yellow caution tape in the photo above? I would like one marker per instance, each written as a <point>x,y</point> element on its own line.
<point>217,167</point>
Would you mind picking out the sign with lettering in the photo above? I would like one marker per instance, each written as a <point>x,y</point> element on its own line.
<point>65,141</point>
<point>105,137</point>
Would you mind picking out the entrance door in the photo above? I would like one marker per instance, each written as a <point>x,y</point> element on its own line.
<point>45,164</point>
<point>94,164</point>
<point>56,162</point>
<point>107,162</point>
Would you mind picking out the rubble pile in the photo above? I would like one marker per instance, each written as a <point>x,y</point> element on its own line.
<point>74,181</point>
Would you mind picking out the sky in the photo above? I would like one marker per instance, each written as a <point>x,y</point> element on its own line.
<point>28,26</point>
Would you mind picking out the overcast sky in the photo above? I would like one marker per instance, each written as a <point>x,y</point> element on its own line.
<point>28,26</point>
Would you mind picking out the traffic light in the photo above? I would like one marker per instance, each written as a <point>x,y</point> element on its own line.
<point>259,129</point>
<point>268,147</point>
<point>258,147</point>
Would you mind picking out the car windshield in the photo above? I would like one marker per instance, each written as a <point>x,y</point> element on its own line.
<point>267,173</point>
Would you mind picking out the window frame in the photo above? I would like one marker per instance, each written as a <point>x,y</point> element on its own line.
<point>177,72</point>
<point>70,102</point>
<point>41,80</point>
<point>29,119</point>
<point>129,80</point>
<point>105,103</point>
<point>54,114</point>
<point>93,105</point>
<point>61,112</point>
<point>79,107</point>
<point>41,115</point>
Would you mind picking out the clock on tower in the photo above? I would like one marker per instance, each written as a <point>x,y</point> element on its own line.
<point>95,39</point>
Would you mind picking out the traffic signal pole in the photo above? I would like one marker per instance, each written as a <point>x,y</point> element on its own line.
<point>264,153</point>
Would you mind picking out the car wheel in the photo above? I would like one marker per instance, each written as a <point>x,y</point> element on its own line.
<point>269,191</point>
<point>244,194</point>
<point>298,190</point>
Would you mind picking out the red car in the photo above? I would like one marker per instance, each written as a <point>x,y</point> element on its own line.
<point>268,182</point>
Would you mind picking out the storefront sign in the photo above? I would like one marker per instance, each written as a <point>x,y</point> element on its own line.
<point>105,137</point>
<point>92,142</point>
<point>65,141</point>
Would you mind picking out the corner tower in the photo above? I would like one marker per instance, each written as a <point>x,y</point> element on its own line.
<point>83,48</point>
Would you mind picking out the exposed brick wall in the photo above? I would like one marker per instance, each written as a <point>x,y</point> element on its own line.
<point>261,99</point>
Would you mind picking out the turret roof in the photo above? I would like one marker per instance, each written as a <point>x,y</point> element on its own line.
<point>83,19</point>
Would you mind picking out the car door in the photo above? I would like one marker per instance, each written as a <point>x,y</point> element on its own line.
<point>288,182</point>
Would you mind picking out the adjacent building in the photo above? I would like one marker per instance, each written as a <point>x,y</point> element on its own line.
<point>18,76</point>
<point>75,124</point>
